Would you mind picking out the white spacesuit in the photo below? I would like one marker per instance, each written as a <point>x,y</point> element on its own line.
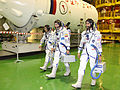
<point>61,46</point>
<point>89,37</point>
<point>48,39</point>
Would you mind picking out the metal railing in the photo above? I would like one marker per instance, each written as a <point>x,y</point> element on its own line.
<point>109,14</point>
<point>100,2</point>
<point>112,28</point>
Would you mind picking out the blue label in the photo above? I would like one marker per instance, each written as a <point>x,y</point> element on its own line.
<point>93,41</point>
<point>62,38</point>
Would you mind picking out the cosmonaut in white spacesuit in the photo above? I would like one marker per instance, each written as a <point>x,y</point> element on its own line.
<point>48,39</point>
<point>62,47</point>
<point>89,37</point>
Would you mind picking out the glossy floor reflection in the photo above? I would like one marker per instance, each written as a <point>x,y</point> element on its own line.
<point>28,76</point>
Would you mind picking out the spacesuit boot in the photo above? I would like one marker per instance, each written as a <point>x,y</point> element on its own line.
<point>79,82</point>
<point>53,73</point>
<point>44,67</point>
<point>67,73</point>
<point>93,82</point>
<point>51,65</point>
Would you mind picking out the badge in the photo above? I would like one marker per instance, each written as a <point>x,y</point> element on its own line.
<point>63,8</point>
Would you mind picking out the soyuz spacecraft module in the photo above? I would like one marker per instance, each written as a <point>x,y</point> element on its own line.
<point>24,15</point>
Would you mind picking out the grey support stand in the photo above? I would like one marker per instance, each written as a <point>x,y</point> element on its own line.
<point>17,61</point>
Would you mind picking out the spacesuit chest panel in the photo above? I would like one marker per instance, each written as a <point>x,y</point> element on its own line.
<point>48,41</point>
<point>61,41</point>
<point>58,36</point>
<point>47,37</point>
<point>89,37</point>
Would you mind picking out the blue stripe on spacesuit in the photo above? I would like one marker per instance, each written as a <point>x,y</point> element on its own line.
<point>84,71</point>
<point>87,59</point>
<point>64,45</point>
<point>92,57</point>
<point>50,42</point>
<point>46,46</point>
<point>57,65</point>
<point>80,48</point>
<point>87,52</point>
<point>59,50</point>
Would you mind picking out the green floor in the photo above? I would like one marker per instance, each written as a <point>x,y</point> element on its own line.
<point>28,76</point>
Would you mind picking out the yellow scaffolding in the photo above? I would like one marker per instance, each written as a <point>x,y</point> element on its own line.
<point>111,30</point>
<point>109,15</point>
<point>102,3</point>
<point>111,37</point>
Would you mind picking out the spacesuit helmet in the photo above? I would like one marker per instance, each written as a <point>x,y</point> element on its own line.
<point>67,24</point>
<point>91,22</point>
<point>58,23</point>
<point>46,28</point>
